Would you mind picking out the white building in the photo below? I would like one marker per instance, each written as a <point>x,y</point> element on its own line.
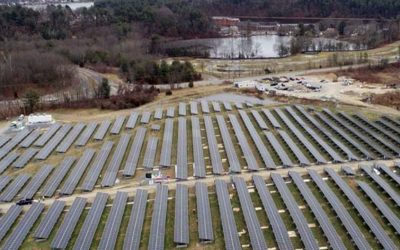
<point>245,84</point>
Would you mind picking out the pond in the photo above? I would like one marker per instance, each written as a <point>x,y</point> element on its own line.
<point>260,46</point>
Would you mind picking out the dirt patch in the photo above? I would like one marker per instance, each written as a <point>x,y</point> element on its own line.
<point>390,99</point>
<point>379,75</point>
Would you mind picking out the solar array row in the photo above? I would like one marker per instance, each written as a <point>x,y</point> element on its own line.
<point>94,172</point>
<point>45,137</point>
<point>165,158</point>
<point>181,161</point>
<point>229,228</point>
<point>272,119</point>
<point>131,123</point>
<point>368,218</point>
<point>239,105</point>
<point>199,164</point>
<point>111,172</point>
<point>135,224</point>
<point>393,121</point>
<point>389,172</point>
<point>76,173</point>
<point>234,164</point>
<point>283,156</point>
<point>294,148</point>
<point>70,138</point>
<point>117,126</point>
<point>58,176</point>
<point>343,214</point>
<point>134,152</point>
<point>49,221</point>
<point>377,128</point>
<point>159,216</point>
<point>4,180</point>
<point>86,134</point>
<point>86,234</point>
<point>216,106</point>
<point>193,108</point>
<point>32,137</point>
<point>181,223</point>
<point>102,130</point>
<point>265,155</point>
<point>8,219</point>
<point>388,125</point>
<point>54,141</point>
<point>15,186</point>
<point>204,107</point>
<point>25,158</point>
<point>7,161</point>
<point>64,232</point>
<point>182,109</point>
<point>171,112</point>
<point>150,154</point>
<point>38,179</point>
<point>205,228</point>
<point>227,106</point>
<point>145,118</point>
<point>261,123</point>
<point>216,161</point>
<point>11,144</point>
<point>4,139</point>
<point>158,114</point>
<point>334,239</point>
<point>111,229</point>
<point>22,229</point>
<point>253,225</point>
<point>278,226</point>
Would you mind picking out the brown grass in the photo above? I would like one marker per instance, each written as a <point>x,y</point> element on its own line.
<point>388,75</point>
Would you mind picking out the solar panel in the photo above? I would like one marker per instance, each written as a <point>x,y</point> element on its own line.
<point>343,214</point>
<point>110,233</point>
<point>377,128</point>
<point>249,104</point>
<point>94,172</point>
<point>181,222</point>
<point>8,219</point>
<point>47,135</point>
<point>394,122</point>
<point>278,226</point>
<point>7,161</point>
<point>368,218</point>
<point>204,107</point>
<point>131,123</point>
<point>86,234</point>
<point>271,119</point>
<point>216,161</point>
<point>283,156</point>
<point>229,228</point>
<point>145,118</point>
<point>102,130</point>
<point>112,169</point>
<point>148,161</point>
<point>239,105</point>
<point>204,224</point>
<point>116,128</point>
<point>333,237</point>
<point>182,109</point>
<point>4,139</point>
<point>253,225</point>
<point>199,164</point>
<point>331,152</point>
<point>27,142</point>
<point>244,145</point>
<point>262,150</point>
<point>70,138</point>
<point>76,173</point>
<point>25,158</point>
<point>216,106</point>
<point>86,134</point>
<point>389,125</point>
<point>33,186</point>
<point>389,172</point>
<point>261,123</point>
<point>58,176</point>
<point>53,142</point>
<point>165,158</point>
<point>381,205</point>
<point>328,136</point>
<point>10,145</point>
<point>171,112</point>
<point>227,106</point>
<point>64,233</point>
<point>159,216</point>
<point>11,191</point>
<point>294,148</point>
<point>135,224</point>
<point>234,164</point>
<point>181,161</point>
<point>22,229</point>
<point>193,108</point>
<point>134,152</point>
<point>158,114</point>
<point>298,218</point>
<point>379,180</point>
<point>4,180</point>
<point>49,221</point>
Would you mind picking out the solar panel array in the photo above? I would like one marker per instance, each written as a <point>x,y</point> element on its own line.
<point>158,114</point>
<point>131,123</point>
<point>181,154</point>
<point>25,158</point>
<point>11,144</point>
<point>283,156</point>
<point>38,179</point>
<point>204,224</point>
<point>98,164</point>
<point>45,137</point>
<point>199,164</point>
<point>182,109</point>
<point>165,157</point>
<point>8,219</point>
<point>116,128</point>
<point>159,216</point>
<point>145,118</point>
<point>111,172</point>
<point>294,148</point>
<point>239,105</point>
<point>134,153</point>
<point>86,134</point>
<point>7,161</point>
<point>204,107</point>
<point>216,106</point>
<point>227,106</point>
<point>389,172</point>
<point>171,112</point>
<point>193,108</point>
<point>50,219</point>
<point>4,181</point>
<point>260,121</point>
<point>234,164</point>
<point>377,128</point>
<point>30,139</point>
<point>135,224</point>
<point>70,138</point>
<point>102,130</point>
<point>150,154</point>
<point>271,119</point>
<point>53,142</point>
<point>215,157</point>
<point>58,176</point>
<point>181,223</point>
<point>4,139</point>
<point>15,186</point>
